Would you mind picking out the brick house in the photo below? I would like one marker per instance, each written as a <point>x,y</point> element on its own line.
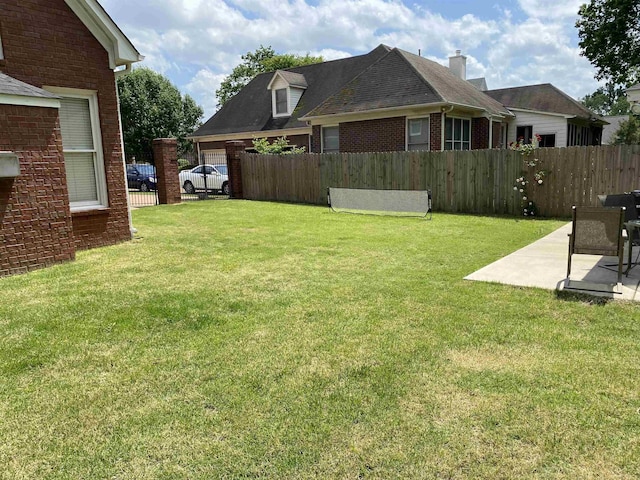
<point>385,100</point>
<point>62,180</point>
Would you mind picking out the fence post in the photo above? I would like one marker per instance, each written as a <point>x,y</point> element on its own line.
<point>165,155</point>
<point>234,148</point>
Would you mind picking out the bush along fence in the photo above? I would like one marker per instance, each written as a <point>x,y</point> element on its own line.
<point>476,181</point>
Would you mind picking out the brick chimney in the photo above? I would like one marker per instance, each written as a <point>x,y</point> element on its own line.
<point>458,65</point>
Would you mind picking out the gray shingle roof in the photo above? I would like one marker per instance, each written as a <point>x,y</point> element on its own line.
<point>402,79</point>
<point>294,79</point>
<point>250,109</point>
<point>11,86</point>
<point>544,98</point>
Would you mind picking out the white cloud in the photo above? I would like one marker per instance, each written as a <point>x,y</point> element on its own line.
<point>551,9</point>
<point>202,87</point>
<point>525,42</point>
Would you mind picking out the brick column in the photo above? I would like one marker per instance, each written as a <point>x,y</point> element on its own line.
<point>234,148</point>
<point>165,156</point>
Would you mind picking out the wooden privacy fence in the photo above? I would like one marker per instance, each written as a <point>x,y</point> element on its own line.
<point>477,181</point>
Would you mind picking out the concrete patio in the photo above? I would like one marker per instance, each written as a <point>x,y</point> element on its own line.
<point>543,264</point>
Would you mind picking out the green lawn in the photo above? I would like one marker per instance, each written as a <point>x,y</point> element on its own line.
<point>236,339</point>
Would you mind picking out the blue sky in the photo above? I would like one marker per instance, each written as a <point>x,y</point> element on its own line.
<point>196,43</point>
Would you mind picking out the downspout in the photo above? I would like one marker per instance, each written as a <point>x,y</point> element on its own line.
<point>116,75</point>
<point>443,112</point>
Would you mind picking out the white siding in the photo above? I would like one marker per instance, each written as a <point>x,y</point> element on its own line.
<point>279,83</point>
<point>296,93</point>
<point>542,125</point>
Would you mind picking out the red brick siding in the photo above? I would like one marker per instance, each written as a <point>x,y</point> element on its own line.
<point>479,133</point>
<point>381,135</point>
<point>35,222</point>
<point>435,132</point>
<point>316,139</point>
<point>233,149</point>
<point>46,44</point>
<point>165,155</point>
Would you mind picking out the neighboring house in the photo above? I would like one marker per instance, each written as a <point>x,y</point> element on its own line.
<point>385,100</point>
<point>62,177</point>
<point>633,96</point>
<point>609,131</point>
<point>545,110</point>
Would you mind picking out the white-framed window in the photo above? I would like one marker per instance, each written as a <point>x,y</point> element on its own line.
<point>457,133</point>
<point>330,139</point>
<point>282,105</point>
<point>418,133</point>
<point>1,51</point>
<point>82,146</point>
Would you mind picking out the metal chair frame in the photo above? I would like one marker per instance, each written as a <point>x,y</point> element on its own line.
<point>606,244</point>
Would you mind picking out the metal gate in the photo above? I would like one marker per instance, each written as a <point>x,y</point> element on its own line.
<point>141,181</point>
<point>205,177</point>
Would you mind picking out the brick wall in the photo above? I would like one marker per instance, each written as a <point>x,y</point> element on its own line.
<point>435,132</point>
<point>165,155</point>
<point>479,133</point>
<point>35,222</point>
<point>233,150</point>
<point>381,135</point>
<point>316,142</point>
<point>46,44</point>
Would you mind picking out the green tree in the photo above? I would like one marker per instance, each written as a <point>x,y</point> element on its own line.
<point>264,59</point>
<point>629,132</point>
<point>610,38</point>
<point>602,103</point>
<point>152,107</point>
<point>280,146</point>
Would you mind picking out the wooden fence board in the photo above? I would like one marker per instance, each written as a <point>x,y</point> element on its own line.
<point>479,181</point>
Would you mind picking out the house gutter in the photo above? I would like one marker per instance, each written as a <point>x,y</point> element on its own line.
<point>437,105</point>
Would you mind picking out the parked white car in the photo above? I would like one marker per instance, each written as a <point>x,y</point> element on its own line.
<point>193,180</point>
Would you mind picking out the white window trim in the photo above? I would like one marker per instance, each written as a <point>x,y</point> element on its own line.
<point>444,133</point>
<point>273,102</point>
<point>322,137</point>
<point>98,159</point>
<point>417,117</point>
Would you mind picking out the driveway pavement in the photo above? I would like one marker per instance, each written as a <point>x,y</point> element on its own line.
<point>543,264</point>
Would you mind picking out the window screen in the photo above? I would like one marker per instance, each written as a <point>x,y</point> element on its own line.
<point>457,134</point>
<point>79,150</point>
<point>418,134</point>
<point>281,101</point>
<point>330,139</point>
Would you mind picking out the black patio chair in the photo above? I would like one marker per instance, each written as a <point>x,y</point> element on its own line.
<point>597,231</point>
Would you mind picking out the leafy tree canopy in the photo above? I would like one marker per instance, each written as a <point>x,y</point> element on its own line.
<point>629,132</point>
<point>603,103</point>
<point>609,32</point>
<point>152,107</point>
<point>280,146</point>
<point>264,59</point>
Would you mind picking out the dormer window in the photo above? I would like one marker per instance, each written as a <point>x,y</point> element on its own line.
<point>286,90</point>
<point>281,101</point>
